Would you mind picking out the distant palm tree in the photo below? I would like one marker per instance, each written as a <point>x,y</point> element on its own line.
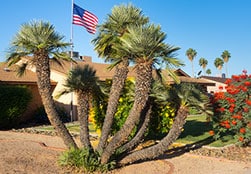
<point>203,63</point>
<point>225,56</point>
<point>39,39</point>
<point>218,62</point>
<point>191,54</point>
<point>109,34</point>
<point>84,82</point>
<point>208,71</point>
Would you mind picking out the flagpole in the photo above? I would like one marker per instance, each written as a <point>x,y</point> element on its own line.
<point>72,46</point>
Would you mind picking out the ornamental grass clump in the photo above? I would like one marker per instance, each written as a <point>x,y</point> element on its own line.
<point>232,109</point>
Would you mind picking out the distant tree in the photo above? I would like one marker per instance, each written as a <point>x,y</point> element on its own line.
<point>225,56</point>
<point>208,71</point>
<point>203,63</point>
<point>191,54</point>
<point>218,62</point>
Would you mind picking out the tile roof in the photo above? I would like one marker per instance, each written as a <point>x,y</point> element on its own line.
<point>9,75</point>
<point>216,79</point>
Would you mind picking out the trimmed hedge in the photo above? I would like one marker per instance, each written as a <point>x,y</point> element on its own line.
<point>13,103</point>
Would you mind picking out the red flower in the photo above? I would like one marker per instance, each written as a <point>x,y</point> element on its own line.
<point>245,109</point>
<point>222,109</point>
<point>234,122</point>
<point>220,87</point>
<point>211,132</point>
<point>227,126</point>
<point>248,102</point>
<point>241,139</point>
<point>242,130</point>
<point>231,109</point>
<point>228,81</point>
<point>247,83</point>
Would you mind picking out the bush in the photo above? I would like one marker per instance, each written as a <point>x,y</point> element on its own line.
<point>14,102</point>
<point>232,110</point>
<point>84,159</point>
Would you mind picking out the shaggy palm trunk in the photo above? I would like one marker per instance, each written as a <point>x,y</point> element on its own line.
<point>116,88</point>
<point>83,115</point>
<point>141,131</point>
<point>142,89</point>
<point>160,148</point>
<point>44,87</point>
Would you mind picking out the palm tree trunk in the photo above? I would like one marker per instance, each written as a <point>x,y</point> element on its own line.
<point>118,82</point>
<point>83,115</point>
<point>44,87</point>
<point>142,90</point>
<point>143,125</point>
<point>158,149</point>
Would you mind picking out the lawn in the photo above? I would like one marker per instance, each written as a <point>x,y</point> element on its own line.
<point>195,130</point>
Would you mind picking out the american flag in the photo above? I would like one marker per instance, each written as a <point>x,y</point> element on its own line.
<point>84,18</point>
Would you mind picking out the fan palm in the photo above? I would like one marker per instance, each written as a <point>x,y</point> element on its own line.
<point>225,56</point>
<point>182,96</point>
<point>109,35</point>
<point>203,63</point>
<point>146,45</point>
<point>218,62</point>
<point>84,82</point>
<point>191,54</point>
<point>40,40</point>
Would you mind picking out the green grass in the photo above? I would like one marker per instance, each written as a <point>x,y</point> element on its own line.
<point>72,127</point>
<point>197,129</point>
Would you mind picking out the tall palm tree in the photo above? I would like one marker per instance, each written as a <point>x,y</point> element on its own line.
<point>225,56</point>
<point>182,96</point>
<point>146,45</point>
<point>84,82</point>
<point>203,63</point>
<point>40,40</point>
<point>208,71</point>
<point>218,63</point>
<point>191,54</point>
<point>109,34</point>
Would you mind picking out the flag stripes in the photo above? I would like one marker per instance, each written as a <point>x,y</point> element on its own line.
<point>84,18</point>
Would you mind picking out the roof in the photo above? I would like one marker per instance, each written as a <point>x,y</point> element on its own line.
<point>215,79</point>
<point>103,72</point>
<point>9,75</point>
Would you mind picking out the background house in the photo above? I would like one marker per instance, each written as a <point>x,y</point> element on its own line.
<point>219,83</point>
<point>59,74</point>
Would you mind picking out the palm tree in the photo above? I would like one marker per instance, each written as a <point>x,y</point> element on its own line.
<point>182,96</point>
<point>218,62</point>
<point>191,54</point>
<point>225,56</point>
<point>203,63</point>
<point>146,45</point>
<point>109,34</point>
<point>208,71</point>
<point>84,82</point>
<point>40,39</point>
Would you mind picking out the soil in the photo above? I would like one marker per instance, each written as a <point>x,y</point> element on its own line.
<point>28,153</point>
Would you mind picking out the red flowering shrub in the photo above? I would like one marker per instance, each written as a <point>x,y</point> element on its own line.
<point>232,109</point>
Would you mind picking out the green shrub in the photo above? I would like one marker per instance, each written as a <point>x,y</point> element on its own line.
<point>84,159</point>
<point>14,102</point>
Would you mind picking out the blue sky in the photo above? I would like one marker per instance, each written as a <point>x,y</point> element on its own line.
<point>208,26</point>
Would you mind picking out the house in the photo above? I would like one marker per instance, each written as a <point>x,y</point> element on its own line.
<point>8,75</point>
<point>219,83</point>
<point>69,101</point>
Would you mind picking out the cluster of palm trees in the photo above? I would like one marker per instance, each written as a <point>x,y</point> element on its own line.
<point>126,37</point>
<point>218,62</point>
